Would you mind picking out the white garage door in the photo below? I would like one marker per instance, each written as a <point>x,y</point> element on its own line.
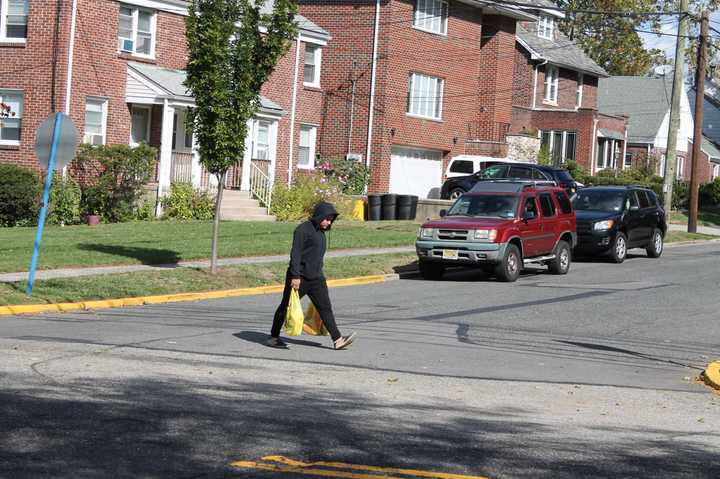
<point>416,172</point>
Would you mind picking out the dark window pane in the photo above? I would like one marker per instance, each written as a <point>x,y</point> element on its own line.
<point>548,208</point>
<point>642,197</point>
<point>564,202</point>
<point>570,140</point>
<point>522,173</point>
<point>462,166</point>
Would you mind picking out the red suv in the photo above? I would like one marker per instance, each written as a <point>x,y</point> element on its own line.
<point>500,226</point>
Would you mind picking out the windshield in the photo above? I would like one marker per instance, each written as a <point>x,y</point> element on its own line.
<point>609,201</point>
<point>494,206</point>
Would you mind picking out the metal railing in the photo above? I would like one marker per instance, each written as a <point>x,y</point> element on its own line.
<point>260,185</point>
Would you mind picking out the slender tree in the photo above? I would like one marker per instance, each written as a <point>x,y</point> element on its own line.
<point>233,48</point>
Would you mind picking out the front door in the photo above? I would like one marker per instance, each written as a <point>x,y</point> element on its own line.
<point>633,219</point>
<point>530,229</point>
<point>550,226</point>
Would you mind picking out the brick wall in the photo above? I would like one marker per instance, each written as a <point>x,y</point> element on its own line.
<point>523,76</point>
<point>567,89</point>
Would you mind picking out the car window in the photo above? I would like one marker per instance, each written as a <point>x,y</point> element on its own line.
<point>530,206</point>
<point>539,175</point>
<point>599,200</point>
<point>520,172</point>
<point>564,202</point>
<point>652,197</point>
<point>632,201</point>
<point>547,205</point>
<point>643,199</point>
<point>495,171</point>
<point>462,166</point>
<point>495,206</point>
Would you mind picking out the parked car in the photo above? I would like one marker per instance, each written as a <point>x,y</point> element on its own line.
<point>463,165</point>
<point>541,174</point>
<point>613,219</point>
<point>500,227</point>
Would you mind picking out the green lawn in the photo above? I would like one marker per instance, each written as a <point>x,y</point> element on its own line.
<point>184,280</point>
<point>675,236</point>
<point>705,218</point>
<point>162,242</point>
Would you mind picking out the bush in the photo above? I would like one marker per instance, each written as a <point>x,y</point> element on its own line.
<point>710,193</point>
<point>352,175</point>
<point>65,196</point>
<point>298,201</point>
<point>19,195</point>
<point>543,157</point>
<point>186,203</point>
<point>119,174</point>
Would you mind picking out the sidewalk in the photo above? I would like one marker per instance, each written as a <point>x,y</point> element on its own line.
<point>700,229</point>
<point>76,272</point>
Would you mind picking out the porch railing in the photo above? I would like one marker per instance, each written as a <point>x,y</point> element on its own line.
<point>260,185</point>
<point>181,167</point>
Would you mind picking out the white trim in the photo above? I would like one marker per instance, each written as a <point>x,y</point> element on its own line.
<point>176,7</point>
<point>593,145</point>
<point>553,85</point>
<point>292,110</point>
<point>311,147</point>
<point>317,54</point>
<point>147,108</point>
<point>546,27</point>
<point>21,93</point>
<point>71,55</point>
<point>579,90</point>
<point>4,8</point>
<point>135,20</point>
<point>437,101</point>
<point>309,38</point>
<point>444,14</point>
<point>165,153</point>
<point>371,114</point>
<point>104,105</point>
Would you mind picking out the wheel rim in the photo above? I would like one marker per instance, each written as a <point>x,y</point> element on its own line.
<point>455,195</point>
<point>512,264</point>
<point>564,259</point>
<point>658,243</point>
<point>620,248</point>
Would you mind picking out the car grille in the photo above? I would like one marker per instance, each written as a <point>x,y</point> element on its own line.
<point>455,235</point>
<point>584,228</point>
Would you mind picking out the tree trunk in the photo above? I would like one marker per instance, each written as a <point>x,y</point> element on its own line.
<point>216,222</point>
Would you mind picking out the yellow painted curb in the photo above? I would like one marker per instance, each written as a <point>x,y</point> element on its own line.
<point>711,375</point>
<point>13,310</point>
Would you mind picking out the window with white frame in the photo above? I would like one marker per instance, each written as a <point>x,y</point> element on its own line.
<point>95,121</point>
<point>431,16</point>
<point>181,134</point>
<point>313,59</point>
<point>546,26</point>
<point>425,96</point>
<point>680,173</point>
<point>552,75</point>
<point>13,20</point>
<point>261,145</point>
<point>561,145</point>
<point>136,32</point>
<point>607,153</point>
<point>11,102</point>
<point>306,149</point>
<point>715,171</point>
<point>579,91</point>
<point>139,125</point>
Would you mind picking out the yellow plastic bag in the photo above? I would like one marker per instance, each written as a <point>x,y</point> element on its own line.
<point>313,324</point>
<point>294,317</point>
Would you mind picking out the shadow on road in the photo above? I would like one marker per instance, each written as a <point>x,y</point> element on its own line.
<point>154,256</point>
<point>261,338</point>
<point>181,429</point>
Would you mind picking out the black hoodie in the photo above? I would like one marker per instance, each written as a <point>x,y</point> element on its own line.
<point>309,244</point>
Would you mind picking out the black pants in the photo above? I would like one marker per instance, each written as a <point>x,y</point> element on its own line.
<point>317,290</point>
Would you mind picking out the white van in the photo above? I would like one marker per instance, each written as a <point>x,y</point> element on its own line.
<point>463,165</point>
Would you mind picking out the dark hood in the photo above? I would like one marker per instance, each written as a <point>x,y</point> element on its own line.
<point>323,210</point>
<point>595,215</point>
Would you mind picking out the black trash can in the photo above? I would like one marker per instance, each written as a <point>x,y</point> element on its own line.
<point>389,206</point>
<point>374,207</point>
<point>404,207</point>
<point>413,207</point>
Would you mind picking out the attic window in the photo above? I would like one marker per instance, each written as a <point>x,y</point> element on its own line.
<point>546,26</point>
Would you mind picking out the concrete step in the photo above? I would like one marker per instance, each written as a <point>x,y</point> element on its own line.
<point>232,217</point>
<point>248,210</point>
<point>227,194</point>
<point>239,203</point>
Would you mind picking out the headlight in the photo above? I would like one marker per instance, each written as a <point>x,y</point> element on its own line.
<point>489,235</point>
<point>603,225</point>
<point>425,233</point>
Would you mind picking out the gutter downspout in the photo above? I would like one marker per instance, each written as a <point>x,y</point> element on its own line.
<point>537,67</point>
<point>592,150</point>
<point>624,155</point>
<point>71,55</point>
<point>292,108</point>
<point>371,116</point>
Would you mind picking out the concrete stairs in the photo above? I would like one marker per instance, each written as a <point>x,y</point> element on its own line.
<point>239,206</point>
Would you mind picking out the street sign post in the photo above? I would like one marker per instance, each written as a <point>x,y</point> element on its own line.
<point>55,145</point>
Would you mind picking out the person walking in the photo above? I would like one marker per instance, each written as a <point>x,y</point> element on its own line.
<point>305,274</point>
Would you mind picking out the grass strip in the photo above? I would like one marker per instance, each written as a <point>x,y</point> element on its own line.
<point>183,280</point>
<point>675,236</point>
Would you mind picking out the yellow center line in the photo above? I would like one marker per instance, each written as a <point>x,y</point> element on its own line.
<point>311,468</point>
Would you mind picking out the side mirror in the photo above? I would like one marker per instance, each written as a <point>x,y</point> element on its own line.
<point>443,213</point>
<point>634,208</point>
<point>529,215</point>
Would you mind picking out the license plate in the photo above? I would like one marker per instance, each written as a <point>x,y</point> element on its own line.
<point>450,254</point>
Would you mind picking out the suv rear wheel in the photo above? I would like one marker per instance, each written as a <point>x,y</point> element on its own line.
<point>563,258</point>
<point>618,253</point>
<point>432,271</point>
<point>456,193</point>
<point>508,270</point>
<point>655,247</point>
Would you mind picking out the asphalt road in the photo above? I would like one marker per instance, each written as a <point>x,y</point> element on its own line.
<point>585,375</point>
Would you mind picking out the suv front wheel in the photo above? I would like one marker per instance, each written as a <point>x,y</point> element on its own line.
<point>508,270</point>
<point>618,253</point>
<point>655,247</point>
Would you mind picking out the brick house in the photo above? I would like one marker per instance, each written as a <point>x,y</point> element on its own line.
<point>711,124</point>
<point>429,76</point>
<point>116,67</point>
<point>646,102</point>
<point>555,97</point>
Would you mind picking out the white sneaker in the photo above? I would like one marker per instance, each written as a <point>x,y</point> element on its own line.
<point>344,341</point>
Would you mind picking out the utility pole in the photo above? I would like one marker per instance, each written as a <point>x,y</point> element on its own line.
<point>677,91</point>
<point>697,134</point>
